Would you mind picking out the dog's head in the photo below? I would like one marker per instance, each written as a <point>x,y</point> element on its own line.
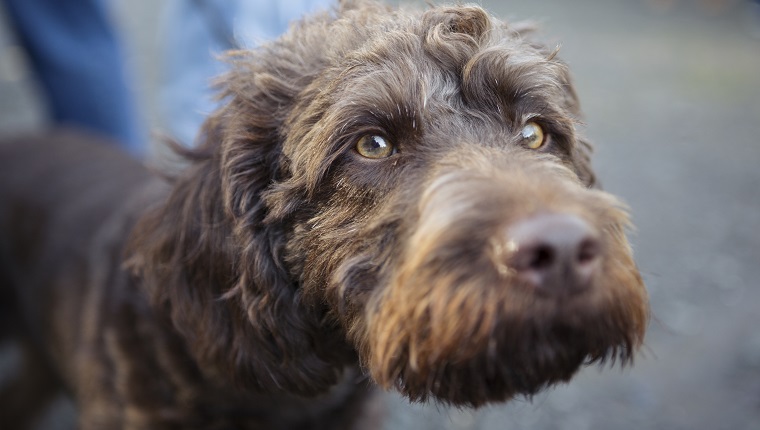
<point>403,186</point>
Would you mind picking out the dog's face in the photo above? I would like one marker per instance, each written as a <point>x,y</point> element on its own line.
<point>431,202</point>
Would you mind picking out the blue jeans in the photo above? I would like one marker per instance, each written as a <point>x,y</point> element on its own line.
<point>77,58</point>
<point>197,32</point>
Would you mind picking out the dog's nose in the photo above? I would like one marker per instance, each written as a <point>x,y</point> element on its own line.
<point>555,253</point>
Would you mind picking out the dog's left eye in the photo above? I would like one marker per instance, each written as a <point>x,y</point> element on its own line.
<point>533,135</point>
<point>374,147</point>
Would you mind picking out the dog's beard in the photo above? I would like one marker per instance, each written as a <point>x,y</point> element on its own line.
<point>475,344</point>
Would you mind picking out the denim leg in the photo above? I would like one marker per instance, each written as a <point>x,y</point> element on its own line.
<point>197,33</point>
<point>78,60</point>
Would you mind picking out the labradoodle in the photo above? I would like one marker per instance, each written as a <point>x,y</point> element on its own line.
<point>392,198</point>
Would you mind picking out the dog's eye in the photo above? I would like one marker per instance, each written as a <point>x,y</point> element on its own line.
<point>533,135</point>
<point>374,147</point>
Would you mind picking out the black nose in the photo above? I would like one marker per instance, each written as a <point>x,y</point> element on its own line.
<point>555,253</point>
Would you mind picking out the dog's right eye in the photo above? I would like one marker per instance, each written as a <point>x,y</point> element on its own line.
<point>374,147</point>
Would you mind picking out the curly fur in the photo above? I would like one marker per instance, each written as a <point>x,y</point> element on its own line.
<point>280,266</point>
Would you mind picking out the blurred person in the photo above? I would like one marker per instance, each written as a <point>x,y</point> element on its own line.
<point>76,56</point>
<point>197,33</point>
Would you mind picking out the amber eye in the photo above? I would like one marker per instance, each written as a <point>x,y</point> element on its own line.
<point>533,135</point>
<point>374,147</point>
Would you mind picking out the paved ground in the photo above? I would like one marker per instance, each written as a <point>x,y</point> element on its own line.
<point>672,97</point>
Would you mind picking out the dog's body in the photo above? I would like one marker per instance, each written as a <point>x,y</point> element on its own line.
<point>400,195</point>
<point>70,201</point>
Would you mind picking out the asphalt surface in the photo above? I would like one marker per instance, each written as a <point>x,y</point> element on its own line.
<point>671,92</point>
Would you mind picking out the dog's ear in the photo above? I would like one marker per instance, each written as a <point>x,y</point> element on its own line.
<point>286,331</point>
<point>582,162</point>
<point>210,256</point>
<point>581,152</point>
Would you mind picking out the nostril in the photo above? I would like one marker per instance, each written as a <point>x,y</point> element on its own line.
<point>588,250</point>
<point>540,258</point>
<point>554,252</point>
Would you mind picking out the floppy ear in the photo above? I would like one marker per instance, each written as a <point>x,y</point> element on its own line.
<point>581,154</point>
<point>211,255</point>
<point>582,162</point>
<point>252,164</point>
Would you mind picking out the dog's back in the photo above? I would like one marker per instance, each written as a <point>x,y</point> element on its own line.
<point>63,204</point>
<point>64,212</point>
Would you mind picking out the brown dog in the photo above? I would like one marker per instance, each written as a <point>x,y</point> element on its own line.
<point>389,193</point>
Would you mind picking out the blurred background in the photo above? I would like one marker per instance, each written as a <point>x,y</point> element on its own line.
<point>671,91</point>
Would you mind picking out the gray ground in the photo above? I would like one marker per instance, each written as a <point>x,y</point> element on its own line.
<point>672,97</point>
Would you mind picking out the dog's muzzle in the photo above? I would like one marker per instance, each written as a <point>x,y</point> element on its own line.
<point>514,275</point>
